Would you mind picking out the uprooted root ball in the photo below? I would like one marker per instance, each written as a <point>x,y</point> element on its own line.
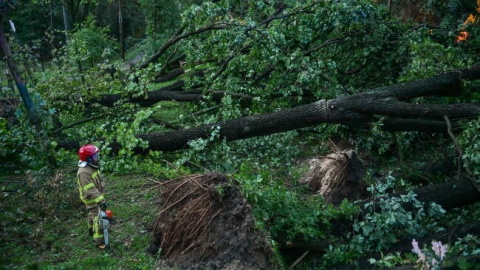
<point>337,176</point>
<point>205,222</point>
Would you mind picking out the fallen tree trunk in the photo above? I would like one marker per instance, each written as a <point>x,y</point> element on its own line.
<point>448,84</point>
<point>449,195</point>
<point>170,92</point>
<point>356,111</point>
<point>171,76</point>
<point>452,194</point>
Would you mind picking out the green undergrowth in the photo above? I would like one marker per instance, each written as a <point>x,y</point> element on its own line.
<point>43,223</point>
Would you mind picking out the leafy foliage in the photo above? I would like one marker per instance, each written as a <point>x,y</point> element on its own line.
<point>469,141</point>
<point>293,56</point>
<point>282,211</point>
<point>380,228</point>
<point>89,45</point>
<point>28,144</point>
<point>382,221</point>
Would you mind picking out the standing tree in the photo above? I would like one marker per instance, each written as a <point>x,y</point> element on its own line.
<point>5,7</point>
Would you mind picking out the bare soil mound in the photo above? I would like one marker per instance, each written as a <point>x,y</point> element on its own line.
<point>205,223</point>
<point>337,176</point>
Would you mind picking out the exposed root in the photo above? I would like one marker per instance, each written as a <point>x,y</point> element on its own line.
<point>205,223</point>
<point>336,176</point>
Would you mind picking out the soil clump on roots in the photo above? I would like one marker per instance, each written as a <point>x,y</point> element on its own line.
<point>206,223</point>
<point>337,176</point>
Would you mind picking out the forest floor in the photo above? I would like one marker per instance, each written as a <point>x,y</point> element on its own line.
<point>43,223</point>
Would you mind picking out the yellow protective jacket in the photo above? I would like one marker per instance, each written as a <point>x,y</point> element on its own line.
<point>90,186</point>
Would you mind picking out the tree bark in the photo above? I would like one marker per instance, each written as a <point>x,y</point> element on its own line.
<point>171,76</point>
<point>120,31</point>
<point>356,111</point>
<point>22,89</point>
<point>256,125</point>
<point>449,195</point>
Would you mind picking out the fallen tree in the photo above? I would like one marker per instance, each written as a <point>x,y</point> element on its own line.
<point>356,111</point>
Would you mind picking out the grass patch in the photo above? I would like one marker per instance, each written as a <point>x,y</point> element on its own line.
<point>49,231</point>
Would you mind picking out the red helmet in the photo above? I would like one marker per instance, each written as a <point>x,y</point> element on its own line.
<point>86,151</point>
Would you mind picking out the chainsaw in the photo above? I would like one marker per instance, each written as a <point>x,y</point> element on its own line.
<point>105,220</point>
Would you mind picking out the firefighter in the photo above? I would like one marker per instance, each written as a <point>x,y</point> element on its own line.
<point>91,187</point>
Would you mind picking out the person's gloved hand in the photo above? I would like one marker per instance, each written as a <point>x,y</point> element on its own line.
<point>103,206</point>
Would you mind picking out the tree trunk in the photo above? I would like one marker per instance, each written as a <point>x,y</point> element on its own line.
<point>383,100</point>
<point>172,92</point>
<point>257,125</point>
<point>22,89</point>
<point>449,195</point>
<point>120,30</point>
<point>356,111</point>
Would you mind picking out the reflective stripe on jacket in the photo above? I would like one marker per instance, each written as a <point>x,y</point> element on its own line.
<point>90,186</point>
